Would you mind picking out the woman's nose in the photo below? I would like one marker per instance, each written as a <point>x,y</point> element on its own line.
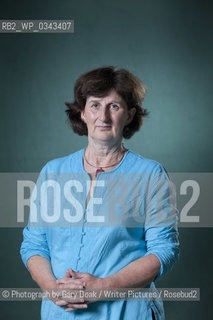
<point>104,114</point>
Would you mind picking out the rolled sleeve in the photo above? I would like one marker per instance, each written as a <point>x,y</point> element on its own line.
<point>163,243</point>
<point>34,237</point>
<point>34,243</point>
<point>161,232</point>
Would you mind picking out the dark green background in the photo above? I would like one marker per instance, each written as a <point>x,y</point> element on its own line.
<point>166,43</point>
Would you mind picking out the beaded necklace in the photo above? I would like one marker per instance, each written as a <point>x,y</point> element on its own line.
<point>100,168</point>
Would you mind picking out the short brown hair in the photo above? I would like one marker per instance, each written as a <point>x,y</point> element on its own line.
<point>98,83</point>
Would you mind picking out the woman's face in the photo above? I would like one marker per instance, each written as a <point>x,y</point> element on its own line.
<point>106,117</point>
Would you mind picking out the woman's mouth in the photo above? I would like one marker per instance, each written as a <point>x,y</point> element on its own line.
<point>104,127</point>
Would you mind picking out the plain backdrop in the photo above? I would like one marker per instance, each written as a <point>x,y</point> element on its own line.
<point>168,45</point>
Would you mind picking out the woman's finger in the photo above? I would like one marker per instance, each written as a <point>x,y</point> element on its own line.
<point>61,303</point>
<point>64,301</point>
<point>77,275</point>
<point>68,272</point>
<point>70,286</point>
<point>77,306</point>
<point>66,279</point>
<point>70,283</point>
<point>69,309</point>
<point>73,281</point>
<point>62,280</point>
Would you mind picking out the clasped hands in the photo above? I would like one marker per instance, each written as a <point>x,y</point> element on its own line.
<point>76,281</point>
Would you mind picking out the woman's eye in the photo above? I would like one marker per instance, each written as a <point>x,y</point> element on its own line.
<point>95,105</point>
<point>114,106</point>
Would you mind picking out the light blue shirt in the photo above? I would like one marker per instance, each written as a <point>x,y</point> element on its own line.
<point>134,194</point>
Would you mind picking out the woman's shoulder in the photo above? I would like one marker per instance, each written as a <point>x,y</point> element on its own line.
<point>141,163</point>
<point>64,164</point>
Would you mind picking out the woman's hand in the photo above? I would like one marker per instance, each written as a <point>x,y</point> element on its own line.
<point>68,282</point>
<point>73,279</point>
<point>85,279</point>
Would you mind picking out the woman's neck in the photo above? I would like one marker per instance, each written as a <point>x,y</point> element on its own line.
<point>103,154</point>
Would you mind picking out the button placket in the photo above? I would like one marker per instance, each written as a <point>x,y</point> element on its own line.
<point>83,233</point>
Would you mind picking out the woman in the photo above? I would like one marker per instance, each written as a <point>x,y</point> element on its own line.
<point>126,189</point>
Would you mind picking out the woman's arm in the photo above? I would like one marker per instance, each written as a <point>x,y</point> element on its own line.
<point>137,274</point>
<point>41,272</point>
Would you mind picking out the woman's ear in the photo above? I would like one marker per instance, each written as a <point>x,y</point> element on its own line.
<point>83,116</point>
<point>131,113</point>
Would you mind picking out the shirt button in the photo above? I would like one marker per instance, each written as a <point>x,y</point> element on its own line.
<point>85,220</point>
<point>83,233</point>
<point>78,258</point>
<point>82,245</point>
